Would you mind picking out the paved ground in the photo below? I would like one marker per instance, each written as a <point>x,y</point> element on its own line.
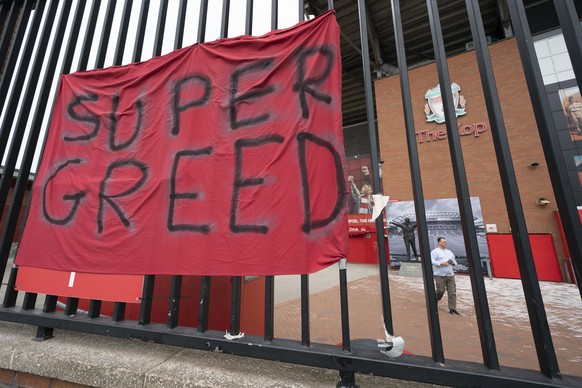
<point>460,334</point>
<point>79,357</point>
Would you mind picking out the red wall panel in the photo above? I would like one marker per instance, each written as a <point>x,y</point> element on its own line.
<point>504,259</point>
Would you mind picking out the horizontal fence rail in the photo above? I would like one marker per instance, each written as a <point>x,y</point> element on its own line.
<point>46,38</point>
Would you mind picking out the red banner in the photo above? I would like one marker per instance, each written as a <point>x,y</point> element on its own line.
<point>224,158</point>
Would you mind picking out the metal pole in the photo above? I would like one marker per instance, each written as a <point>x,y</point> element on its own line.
<point>224,19</point>
<point>162,15</point>
<point>203,17</point>
<point>345,313</point>
<point>174,305</point>
<point>105,34</point>
<point>269,307</point>
<point>274,14</point>
<point>469,234</point>
<point>386,308</point>
<point>501,143</point>
<point>9,47</point>
<point>573,36</point>
<point>141,29</point>
<point>10,103</point>
<point>562,190</point>
<point>235,305</point>
<point>122,37</point>
<point>179,41</point>
<point>89,35</point>
<point>305,336</point>
<point>204,304</point>
<point>417,192</point>
<point>29,91</point>
<point>249,18</point>
<point>176,290</point>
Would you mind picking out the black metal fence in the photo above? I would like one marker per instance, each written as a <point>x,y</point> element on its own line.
<point>29,74</point>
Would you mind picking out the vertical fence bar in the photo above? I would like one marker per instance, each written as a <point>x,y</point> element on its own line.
<point>347,378</point>
<point>50,305</point>
<point>345,314</point>
<point>11,102</point>
<point>105,34</point>
<point>94,308</point>
<point>18,133</point>
<point>202,18</point>
<point>39,111</point>
<point>236,280</point>
<point>573,36</point>
<point>301,4</point>
<point>560,183</point>
<point>69,53</point>
<point>89,35</point>
<point>179,40</point>
<point>162,15</point>
<point>204,304</point>
<point>249,18</point>
<point>11,293</point>
<point>119,307</point>
<point>122,37</point>
<point>305,336</point>
<point>269,332</point>
<point>29,91</point>
<point>224,19</point>
<point>4,10</point>
<point>269,308</point>
<point>484,323</point>
<point>9,49</point>
<point>29,302</point>
<point>118,312</point>
<point>274,14</point>
<point>73,303</point>
<point>176,288</point>
<point>386,307</point>
<point>501,143</point>
<point>141,29</point>
<point>436,340</point>
<point>145,308</point>
<point>235,305</point>
<point>149,280</point>
<point>174,305</point>
<point>71,306</point>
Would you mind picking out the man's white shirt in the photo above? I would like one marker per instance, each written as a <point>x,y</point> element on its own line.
<point>437,256</point>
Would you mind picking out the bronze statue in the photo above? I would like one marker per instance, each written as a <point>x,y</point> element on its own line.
<point>408,236</point>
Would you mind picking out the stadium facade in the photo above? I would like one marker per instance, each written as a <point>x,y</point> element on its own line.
<point>533,178</point>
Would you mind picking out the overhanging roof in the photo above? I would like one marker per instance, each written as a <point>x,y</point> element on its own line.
<point>417,36</point>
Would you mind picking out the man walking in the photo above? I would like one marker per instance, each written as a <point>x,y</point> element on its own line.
<point>443,261</point>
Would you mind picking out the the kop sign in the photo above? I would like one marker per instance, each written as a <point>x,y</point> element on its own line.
<point>433,108</point>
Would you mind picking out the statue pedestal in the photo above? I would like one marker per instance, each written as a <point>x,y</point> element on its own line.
<point>410,270</point>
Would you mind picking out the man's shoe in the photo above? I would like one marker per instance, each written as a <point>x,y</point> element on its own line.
<point>454,312</point>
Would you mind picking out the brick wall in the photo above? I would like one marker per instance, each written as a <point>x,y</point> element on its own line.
<point>478,152</point>
<point>22,379</point>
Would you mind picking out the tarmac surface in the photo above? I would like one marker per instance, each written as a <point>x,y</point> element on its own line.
<point>109,362</point>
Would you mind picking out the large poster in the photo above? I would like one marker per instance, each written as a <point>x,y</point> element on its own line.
<point>572,104</point>
<point>443,219</point>
<point>223,158</point>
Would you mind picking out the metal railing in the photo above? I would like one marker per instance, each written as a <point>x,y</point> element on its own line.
<point>32,21</point>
